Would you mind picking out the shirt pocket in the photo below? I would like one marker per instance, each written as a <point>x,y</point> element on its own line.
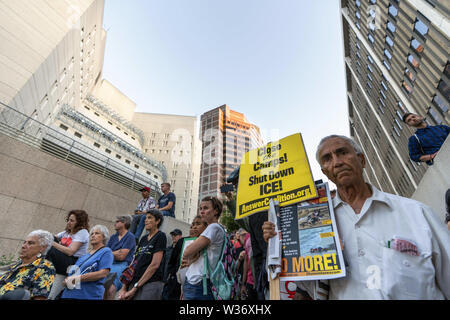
<point>406,276</point>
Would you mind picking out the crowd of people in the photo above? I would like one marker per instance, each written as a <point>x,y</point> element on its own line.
<point>132,266</point>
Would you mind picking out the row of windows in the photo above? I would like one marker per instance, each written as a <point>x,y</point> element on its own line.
<point>110,123</point>
<point>421,29</point>
<point>97,145</point>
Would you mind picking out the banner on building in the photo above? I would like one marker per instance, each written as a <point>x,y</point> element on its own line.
<point>280,171</point>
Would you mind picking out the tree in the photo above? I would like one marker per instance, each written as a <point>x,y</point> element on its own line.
<point>227,220</point>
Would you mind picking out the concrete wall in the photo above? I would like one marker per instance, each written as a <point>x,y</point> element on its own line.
<point>431,189</point>
<point>37,190</point>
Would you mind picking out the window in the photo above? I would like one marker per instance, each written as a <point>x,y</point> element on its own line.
<point>434,115</point>
<point>107,151</point>
<point>370,68</point>
<point>416,45</point>
<point>368,76</point>
<point>383,95</point>
<point>63,127</point>
<point>370,59</point>
<point>413,61</point>
<point>96,145</point>
<point>358,15</point>
<point>411,76</point>
<point>118,156</point>
<point>77,134</point>
<point>398,124</point>
<point>371,39</point>
<point>447,70</point>
<point>387,54</point>
<point>386,65</point>
<point>393,11</point>
<point>383,85</point>
<point>407,87</point>
<point>391,27</point>
<point>420,27</point>
<point>127,161</point>
<point>389,41</point>
<point>444,88</point>
<point>396,131</point>
<point>440,103</point>
<point>400,105</point>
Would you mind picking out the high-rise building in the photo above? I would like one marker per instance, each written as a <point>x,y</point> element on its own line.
<point>397,61</point>
<point>226,136</point>
<point>173,141</point>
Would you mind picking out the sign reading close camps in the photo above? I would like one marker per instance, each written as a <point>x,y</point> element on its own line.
<point>279,170</point>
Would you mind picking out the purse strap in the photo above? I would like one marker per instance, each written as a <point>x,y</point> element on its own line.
<point>206,266</point>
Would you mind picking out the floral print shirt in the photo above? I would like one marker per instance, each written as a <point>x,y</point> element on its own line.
<point>37,277</point>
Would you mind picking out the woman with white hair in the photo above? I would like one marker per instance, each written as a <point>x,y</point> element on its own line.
<point>32,277</point>
<point>86,278</point>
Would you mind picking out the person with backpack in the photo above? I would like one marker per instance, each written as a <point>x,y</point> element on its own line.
<point>199,284</point>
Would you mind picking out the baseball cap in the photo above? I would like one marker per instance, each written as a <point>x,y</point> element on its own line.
<point>145,188</point>
<point>176,232</point>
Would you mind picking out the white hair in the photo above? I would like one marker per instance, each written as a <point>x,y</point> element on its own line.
<point>45,238</point>
<point>352,142</point>
<point>103,230</point>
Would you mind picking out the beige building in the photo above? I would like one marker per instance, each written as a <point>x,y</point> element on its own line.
<point>397,61</point>
<point>173,141</point>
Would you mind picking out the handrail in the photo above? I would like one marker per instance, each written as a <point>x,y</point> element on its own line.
<point>32,132</point>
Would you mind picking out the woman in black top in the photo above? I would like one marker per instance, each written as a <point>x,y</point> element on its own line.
<point>147,279</point>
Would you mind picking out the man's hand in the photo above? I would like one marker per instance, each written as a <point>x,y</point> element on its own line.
<point>268,230</point>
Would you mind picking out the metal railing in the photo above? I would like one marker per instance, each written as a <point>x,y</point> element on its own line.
<point>32,132</point>
<point>77,120</point>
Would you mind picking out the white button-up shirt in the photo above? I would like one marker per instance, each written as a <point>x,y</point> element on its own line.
<point>375,271</point>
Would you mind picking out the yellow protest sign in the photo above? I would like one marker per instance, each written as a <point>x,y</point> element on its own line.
<point>278,170</point>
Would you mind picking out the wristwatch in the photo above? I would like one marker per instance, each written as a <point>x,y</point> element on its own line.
<point>136,286</point>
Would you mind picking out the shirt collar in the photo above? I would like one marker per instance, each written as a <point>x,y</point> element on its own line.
<point>377,195</point>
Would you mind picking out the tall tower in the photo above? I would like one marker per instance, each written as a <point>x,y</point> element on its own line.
<point>397,61</point>
<point>226,136</point>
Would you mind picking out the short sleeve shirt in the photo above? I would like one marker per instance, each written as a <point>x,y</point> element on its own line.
<point>127,242</point>
<point>144,255</point>
<point>81,236</point>
<point>215,233</point>
<point>90,290</point>
<point>165,199</point>
<point>36,277</point>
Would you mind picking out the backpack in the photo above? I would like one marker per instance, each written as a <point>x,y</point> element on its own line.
<point>224,280</point>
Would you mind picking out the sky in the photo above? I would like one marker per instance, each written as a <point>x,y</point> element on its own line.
<point>280,62</point>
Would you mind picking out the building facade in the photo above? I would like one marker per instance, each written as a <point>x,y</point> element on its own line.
<point>397,61</point>
<point>51,60</point>
<point>173,141</point>
<point>226,136</point>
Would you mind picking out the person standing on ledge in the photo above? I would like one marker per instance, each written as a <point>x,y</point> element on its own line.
<point>427,141</point>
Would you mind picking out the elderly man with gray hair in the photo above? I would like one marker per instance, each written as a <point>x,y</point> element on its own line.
<point>395,247</point>
<point>123,246</point>
<point>32,277</point>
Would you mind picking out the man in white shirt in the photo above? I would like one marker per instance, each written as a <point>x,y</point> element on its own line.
<point>395,247</point>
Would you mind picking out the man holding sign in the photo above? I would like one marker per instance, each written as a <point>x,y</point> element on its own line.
<point>396,248</point>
